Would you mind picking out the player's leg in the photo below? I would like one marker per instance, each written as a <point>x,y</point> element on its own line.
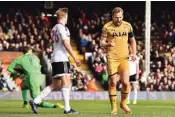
<point>135,86</point>
<point>128,99</point>
<point>113,92</point>
<point>129,94</point>
<point>66,86</point>
<point>24,93</point>
<point>132,79</point>
<point>61,70</point>
<point>46,91</point>
<point>35,91</point>
<point>55,85</point>
<point>124,74</point>
<point>24,97</point>
<point>66,91</point>
<point>113,77</point>
<point>57,69</point>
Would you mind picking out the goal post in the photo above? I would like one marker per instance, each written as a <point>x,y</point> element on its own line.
<point>147,37</point>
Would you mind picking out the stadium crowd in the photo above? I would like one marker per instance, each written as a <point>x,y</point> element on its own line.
<point>3,81</point>
<point>82,82</point>
<point>19,28</point>
<point>162,49</point>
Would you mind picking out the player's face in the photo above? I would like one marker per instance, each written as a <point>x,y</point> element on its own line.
<point>117,18</point>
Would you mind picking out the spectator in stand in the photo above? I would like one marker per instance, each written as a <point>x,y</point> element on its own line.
<point>20,28</point>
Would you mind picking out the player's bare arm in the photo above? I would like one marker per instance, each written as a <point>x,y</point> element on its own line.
<point>69,49</point>
<point>133,47</point>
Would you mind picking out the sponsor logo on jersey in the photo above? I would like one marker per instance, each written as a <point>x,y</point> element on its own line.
<point>119,34</point>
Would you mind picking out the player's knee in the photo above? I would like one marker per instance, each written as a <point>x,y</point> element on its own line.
<point>126,84</point>
<point>112,84</point>
<point>52,86</point>
<point>125,89</point>
<point>135,89</point>
<point>66,85</point>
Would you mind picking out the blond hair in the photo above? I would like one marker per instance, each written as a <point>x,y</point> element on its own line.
<point>61,12</point>
<point>117,10</point>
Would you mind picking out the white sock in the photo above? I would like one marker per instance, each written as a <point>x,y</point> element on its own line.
<point>70,86</point>
<point>129,96</point>
<point>66,97</point>
<point>43,94</point>
<point>135,95</point>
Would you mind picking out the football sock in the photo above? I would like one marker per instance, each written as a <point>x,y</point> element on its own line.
<point>43,94</point>
<point>124,94</point>
<point>129,96</point>
<point>24,95</point>
<point>47,105</point>
<point>66,97</point>
<point>135,95</point>
<point>112,96</point>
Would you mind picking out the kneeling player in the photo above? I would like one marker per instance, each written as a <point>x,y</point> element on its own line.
<point>32,70</point>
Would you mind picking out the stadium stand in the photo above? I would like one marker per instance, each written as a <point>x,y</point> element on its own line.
<point>161,77</point>
<point>21,27</point>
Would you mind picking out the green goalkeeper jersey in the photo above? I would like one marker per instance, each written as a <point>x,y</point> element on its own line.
<point>29,62</point>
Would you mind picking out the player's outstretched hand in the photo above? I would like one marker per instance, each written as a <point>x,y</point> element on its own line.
<point>78,63</point>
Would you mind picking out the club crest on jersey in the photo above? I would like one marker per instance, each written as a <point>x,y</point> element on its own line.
<point>119,34</point>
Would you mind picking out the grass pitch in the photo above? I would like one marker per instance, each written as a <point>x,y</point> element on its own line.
<point>95,108</point>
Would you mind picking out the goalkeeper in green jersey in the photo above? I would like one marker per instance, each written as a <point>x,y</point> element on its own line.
<point>32,70</point>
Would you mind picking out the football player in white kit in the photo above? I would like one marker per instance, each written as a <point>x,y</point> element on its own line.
<point>60,62</point>
<point>134,76</point>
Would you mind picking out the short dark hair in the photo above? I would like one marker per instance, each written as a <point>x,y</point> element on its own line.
<point>117,10</point>
<point>26,49</point>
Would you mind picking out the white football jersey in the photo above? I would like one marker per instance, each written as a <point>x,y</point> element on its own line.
<point>133,66</point>
<point>58,34</point>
